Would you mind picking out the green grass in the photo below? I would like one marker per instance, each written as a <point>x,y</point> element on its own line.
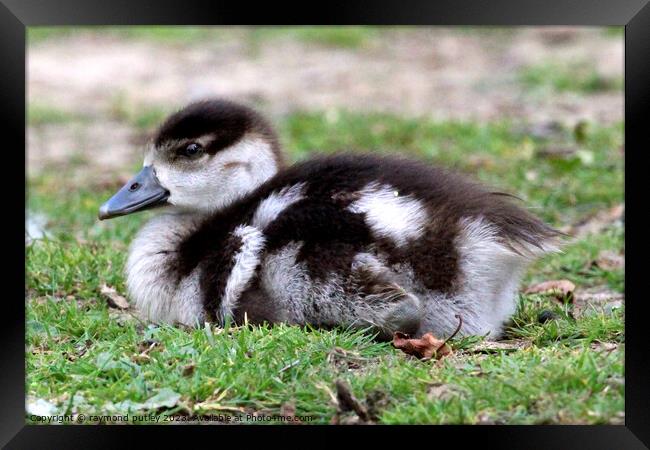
<point>351,37</point>
<point>84,357</point>
<point>568,77</point>
<point>329,36</point>
<point>614,32</point>
<point>143,118</point>
<point>166,34</point>
<point>140,117</point>
<point>40,114</point>
<point>560,190</point>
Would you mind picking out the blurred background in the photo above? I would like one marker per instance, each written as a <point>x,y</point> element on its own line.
<point>536,111</point>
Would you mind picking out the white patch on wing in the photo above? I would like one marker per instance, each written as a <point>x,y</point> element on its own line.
<point>246,261</point>
<point>389,214</point>
<point>274,204</point>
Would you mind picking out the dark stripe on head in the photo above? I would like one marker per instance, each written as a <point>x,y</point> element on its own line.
<point>227,121</point>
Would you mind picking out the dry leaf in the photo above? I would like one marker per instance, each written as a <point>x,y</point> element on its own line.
<point>427,347</point>
<point>115,300</point>
<point>562,289</point>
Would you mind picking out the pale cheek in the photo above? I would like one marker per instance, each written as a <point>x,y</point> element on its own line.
<point>170,181</point>
<point>163,176</point>
<point>194,190</point>
<point>211,184</point>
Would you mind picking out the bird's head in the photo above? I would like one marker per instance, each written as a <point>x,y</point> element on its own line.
<point>202,159</point>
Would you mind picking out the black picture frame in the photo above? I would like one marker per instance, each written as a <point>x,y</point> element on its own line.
<point>16,15</point>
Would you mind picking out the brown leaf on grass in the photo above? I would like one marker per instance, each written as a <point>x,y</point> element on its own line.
<point>426,347</point>
<point>115,300</point>
<point>561,289</point>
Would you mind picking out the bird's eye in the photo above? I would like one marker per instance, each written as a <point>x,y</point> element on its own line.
<point>192,150</point>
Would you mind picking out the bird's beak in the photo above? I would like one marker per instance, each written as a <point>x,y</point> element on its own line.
<point>141,192</point>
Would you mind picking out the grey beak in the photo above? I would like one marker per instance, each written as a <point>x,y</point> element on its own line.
<point>141,192</point>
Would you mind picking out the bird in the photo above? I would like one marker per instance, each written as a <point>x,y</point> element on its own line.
<point>350,240</point>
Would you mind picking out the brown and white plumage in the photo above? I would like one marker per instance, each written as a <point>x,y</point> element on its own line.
<point>342,240</point>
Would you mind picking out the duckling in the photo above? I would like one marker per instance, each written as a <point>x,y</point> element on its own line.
<point>353,240</point>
